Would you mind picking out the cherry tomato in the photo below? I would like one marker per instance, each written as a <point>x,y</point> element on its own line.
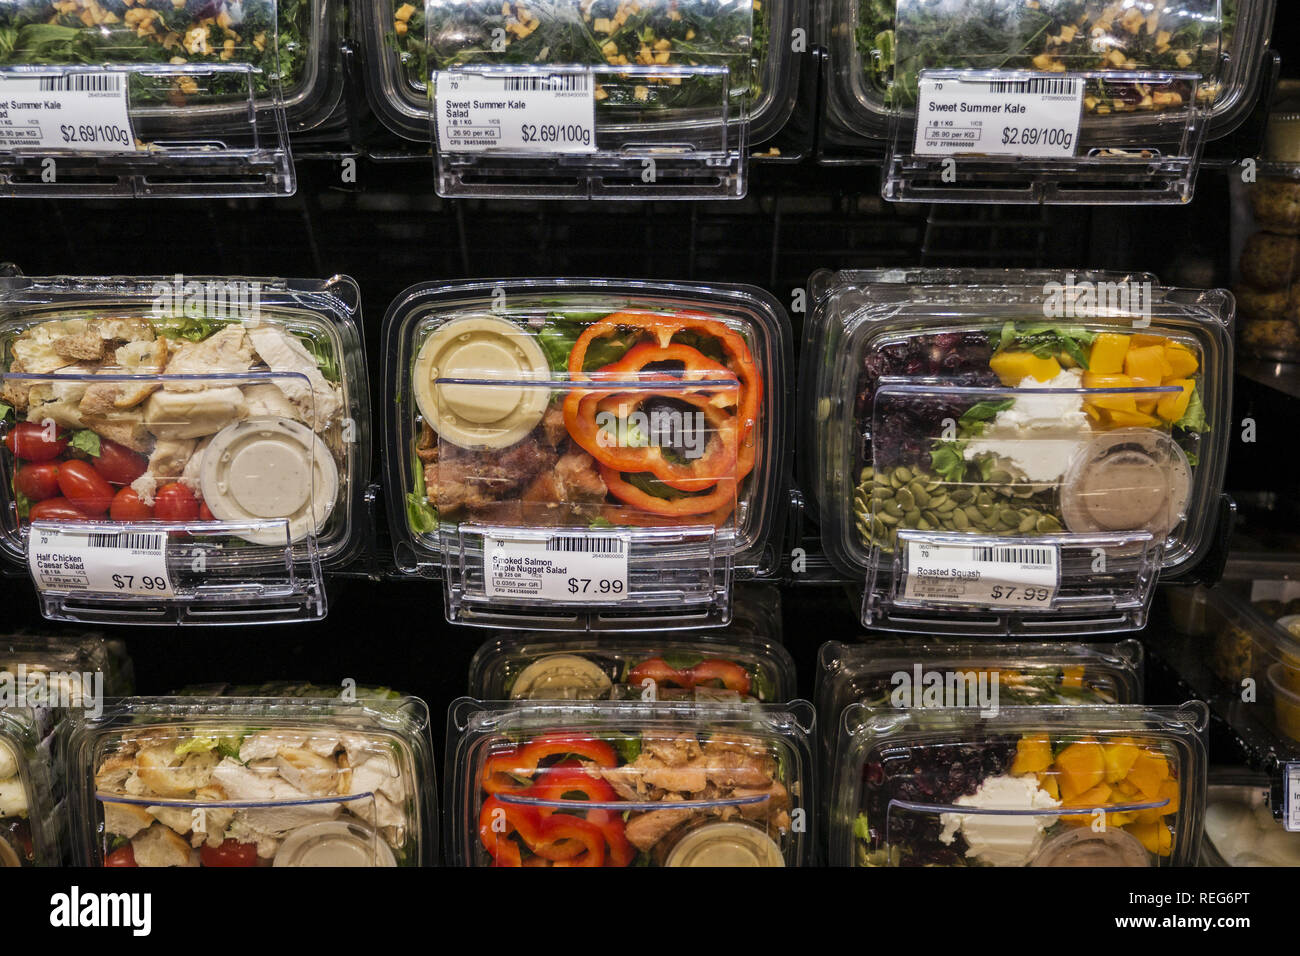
<point>84,486</point>
<point>37,481</point>
<point>56,509</point>
<point>205,513</point>
<point>30,441</point>
<point>118,464</point>
<point>175,502</point>
<point>122,856</point>
<point>127,506</point>
<point>230,853</point>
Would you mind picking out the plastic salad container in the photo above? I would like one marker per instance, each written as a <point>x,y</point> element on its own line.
<point>629,784</point>
<point>134,400</point>
<point>823,337</point>
<point>1038,416</point>
<point>908,673</point>
<point>1240,829</point>
<point>1031,786</point>
<point>157,33</point>
<point>653,414</point>
<point>405,44</point>
<point>877,47</point>
<point>28,821</point>
<point>254,782</point>
<point>727,667</point>
<point>1267,278</point>
<point>1255,633</point>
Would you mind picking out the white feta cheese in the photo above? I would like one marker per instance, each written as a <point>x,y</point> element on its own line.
<point>1040,433</point>
<point>997,839</point>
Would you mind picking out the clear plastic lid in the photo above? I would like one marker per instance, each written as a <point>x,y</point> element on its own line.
<point>878,47</point>
<point>630,784</point>
<point>28,824</point>
<point>1031,786</point>
<point>725,667</point>
<point>234,410</point>
<point>556,424</point>
<point>406,44</point>
<point>1240,827</point>
<point>207,90</point>
<point>987,418</point>
<point>1254,633</point>
<point>255,782</point>
<point>908,673</point>
<point>823,337</point>
<point>293,43</point>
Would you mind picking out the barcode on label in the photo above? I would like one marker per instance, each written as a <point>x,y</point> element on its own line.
<point>1049,86</point>
<point>564,83</point>
<point>83,82</point>
<point>1041,557</point>
<point>125,539</point>
<point>588,545</point>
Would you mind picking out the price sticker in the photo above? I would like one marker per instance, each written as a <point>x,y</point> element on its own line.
<point>1005,576</point>
<point>101,562</point>
<point>86,112</point>
<point>1037,117</point>
<point>566,568</point>
<point>532,112</point>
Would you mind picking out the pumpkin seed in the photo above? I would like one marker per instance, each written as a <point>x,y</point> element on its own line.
<point>903,474</point>
<point>1009,519</point>
<point>867,474</point>
<point>999,476</point>
<point>984,500</point>
<point>893,507</point>
<point>887,518</point>
<point>924,525</point>
<point>1027,524</point>
<point>944,506</point>
<point>910,518</point>
<point>919,493</point>
<point>905,499</point>
<point>930,516</point>
<point>959,520</point>
<point>987,509</point>
<point>1047,524</point>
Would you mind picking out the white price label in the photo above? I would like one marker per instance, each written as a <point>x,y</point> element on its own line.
<point>1291,812</point>
<point>1036,117</point>
<point>531,112</point>
<point>79,111</point>
<point>1008,576</point>
<point>569,568</point>
<point>104,562</point>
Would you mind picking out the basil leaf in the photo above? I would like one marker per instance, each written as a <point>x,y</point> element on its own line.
<point>85,441</point>
<point>947,461</point>
<point>985,411</point>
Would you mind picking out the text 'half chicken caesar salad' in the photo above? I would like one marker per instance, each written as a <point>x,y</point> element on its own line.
<point>267,441</point>
<point>217,795</point>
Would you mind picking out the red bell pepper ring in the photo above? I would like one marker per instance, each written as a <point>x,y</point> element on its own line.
<point>718,503</point>
<point>663,326</point>
<point>509,770</point>
<point>718,459</point>
<point>560,839</point>
<point>560,782</point>
<point>731,675</point>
